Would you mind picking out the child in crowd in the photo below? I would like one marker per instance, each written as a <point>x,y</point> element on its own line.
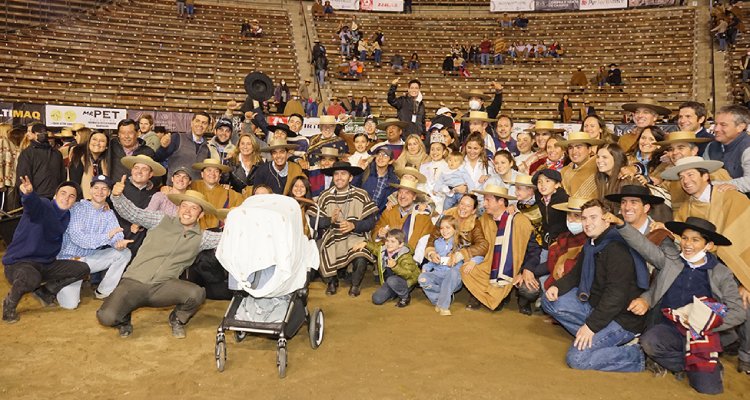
<point>434,167</point>
<point>441,277</point>
<point>527,205</point>
<point>360,157</point>
<point>549,193</point>
<point>397,269</point>
<point>451,179</point>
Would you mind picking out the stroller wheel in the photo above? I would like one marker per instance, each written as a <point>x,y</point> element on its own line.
<point>315,328</point>
<point>221,352</point>
<point>239,336</point>
<point>281,361</point>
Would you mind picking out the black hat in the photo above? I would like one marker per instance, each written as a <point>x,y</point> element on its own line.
<point>102,178</point>
<point>549,173</point>
<point>283,127</point>
<point>223,122</point>
<point>342,166</point>
<point>39,129</point>
<point>74,185</point>
<point>638,191</point>
<point>258,86</point>
<point>699,225</point>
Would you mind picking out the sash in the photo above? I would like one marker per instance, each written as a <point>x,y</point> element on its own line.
<point>501,272</point>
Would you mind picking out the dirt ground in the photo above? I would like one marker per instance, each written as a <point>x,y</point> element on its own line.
<point>369,352</point>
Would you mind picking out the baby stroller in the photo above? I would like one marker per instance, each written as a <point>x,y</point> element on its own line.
<point>267,255</point>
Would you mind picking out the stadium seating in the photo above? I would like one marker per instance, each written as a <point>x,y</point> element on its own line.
<point>735,54</point>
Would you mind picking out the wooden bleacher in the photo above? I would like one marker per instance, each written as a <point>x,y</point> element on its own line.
<point>733,59</point>
<point>19,14</point>
<point>653,47</point>
<point>141,56</point>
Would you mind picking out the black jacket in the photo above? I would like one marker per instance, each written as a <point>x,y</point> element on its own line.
<point>404,106</point>
<point>613,289</point>
<point>492,111</point>
<point>44,167</point>
<point>117,152</point>
<point>553,221</point>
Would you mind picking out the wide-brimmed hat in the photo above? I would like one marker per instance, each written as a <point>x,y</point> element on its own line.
<point>392,121</point>
<point>478,93</point>
<point>646,102</point>
<point>477,116</point>
<point>553,174</point>
<point>685,163</point>
<point>193,197</point>
<point>580,137</point>
<point>211,162</point>
<point>400,172</point>
<point>699,225</point>
<point>278,144</point>
<point>408,184</point>
<point>329,152</point>
<point>77,126</point>
<point>495,190</point>
<point>65,133</point>
<point>283,127</point>
<point>641,192</point>
<point>682,136</point>
<point>327,120</point>
<point>545,126</point>
<point>574,204</point>
<point>443,110</point>
<point>156,168</point>
<point>341,166</point>
<point>523,180</point>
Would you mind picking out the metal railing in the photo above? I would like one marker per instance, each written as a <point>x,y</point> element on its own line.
<point>43,13</point>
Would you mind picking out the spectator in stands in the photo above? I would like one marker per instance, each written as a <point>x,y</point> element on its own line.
<point>732,146</point>
<point>721,33</point>
<point>281,95</point>
<point>691,118</point>
<point>146,131</point>
<point>476,98</point>
<point>363,109</point>
<point>245,28</point>
<point>565,108</point>
<point>317,51</point>
<point>335,108</point>
<point>127,143</point>
<point>321,68</point>
<point>89,160</point>
<point>414,62</point>
<point>377,53</point>
<point>407,6</point>
<point>190,9</point>
<point>614,75</point>
<point>186,149</point>
<point>30,257</point>
<point>317,9</point>
<point>485,48</point>
<point>410,107</point>
<point>94,237</point>
<point>255,29</point>
<point>579,79</point>
<point>499,46</point>
<point>180,8</point>
<point>601,77</point>
<point>397,63</point>
<point>745,67</point>
<point>521,22</point>
<point>587,110</point>
<point>506,21</point>
<point>345,38</point>
<point>41,165</point>
<point>448,66</point>
<point>556,50</point>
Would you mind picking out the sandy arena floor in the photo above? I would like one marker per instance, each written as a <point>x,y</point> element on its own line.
<point>369,352</point>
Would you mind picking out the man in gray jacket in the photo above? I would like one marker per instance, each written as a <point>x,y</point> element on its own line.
<point>686,273</point>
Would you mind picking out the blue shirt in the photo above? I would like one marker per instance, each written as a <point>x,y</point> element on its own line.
<point>88,230</point>
<point>38,236</point>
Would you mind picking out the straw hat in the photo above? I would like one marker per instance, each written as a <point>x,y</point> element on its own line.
<point>400,172</point>
<point>211,162</point>
<point>574,204</point>
<point>408,184</point>
<point>65,133</point>
<point>523,180</point>
<point>77,126</point>
<point>193,197</point>
<point>682,136</point>
<point>327,120</point>
<point>478,93</point>
<point>580,137</point>
<point>329,152</point>
<point>646,102</point>
<point>478,116</point>
<point>673,173</point>
<point>495,190</point>
<point>278,144</point>
<point>545,126</point>
<point>156,168</point>
<point>392,121</point>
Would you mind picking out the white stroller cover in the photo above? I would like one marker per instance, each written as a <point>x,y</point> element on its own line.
<point>266,231</point>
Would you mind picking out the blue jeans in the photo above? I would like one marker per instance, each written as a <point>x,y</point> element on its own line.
<point>607,351</point>
<point>394,286</point>
<point>451,201</point>
<point>485,57</point>
<point>345,49</point>
<point>190,9</point>
<point>499,59</point>
<point>378,54</point>
<point>440,282</point>
<point>321,77</point>
<point>363,55</point>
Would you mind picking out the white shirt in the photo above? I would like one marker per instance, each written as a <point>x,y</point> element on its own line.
<point>705,197</point>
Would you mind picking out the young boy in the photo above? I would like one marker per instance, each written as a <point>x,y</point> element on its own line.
<point>454,176</point>
<point>397,269</point>
<point>549,193</point>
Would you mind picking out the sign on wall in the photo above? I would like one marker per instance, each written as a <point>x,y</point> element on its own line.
<point>26,113</point>
<point>556,5</point>
<point>345,4</point>
<point>511,5</point>
<point>6,113</point>
<point>603,4</point>
<point>387,5</point>
<point>91,117</point>
<point>639,3</point>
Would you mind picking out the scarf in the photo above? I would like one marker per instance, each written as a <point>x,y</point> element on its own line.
<point>696,321</point>
<point>590,250</point>
<point>502,255</point>
<point>555,165</point>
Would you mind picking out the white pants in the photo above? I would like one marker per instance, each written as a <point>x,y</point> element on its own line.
<point>113,260</point>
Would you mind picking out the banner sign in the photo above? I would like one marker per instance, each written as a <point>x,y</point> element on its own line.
<point>26,113</point>
<point>6,113</point>
<point>386,5</point>
<point>172,121</point>
<point>91,117</point>
<point>640,3</point>
<point>511,5</point>
<point>556,5</point>
<point>603,4</point>
<point>621,129</point>
<point>345,4</point>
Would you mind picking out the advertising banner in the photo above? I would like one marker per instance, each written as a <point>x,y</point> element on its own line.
<point>640,3</point>
<point>345,4</point>
<point>556,5</point>
<point>6,113</point>
<point>91,117</point>
<point>511,5</point>
<point>388,5</point>
<point>172,121</point>
<point>603,4</point>
<point>26,113</point>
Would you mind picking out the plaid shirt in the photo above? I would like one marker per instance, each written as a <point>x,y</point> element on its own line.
<point>88,230</point>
